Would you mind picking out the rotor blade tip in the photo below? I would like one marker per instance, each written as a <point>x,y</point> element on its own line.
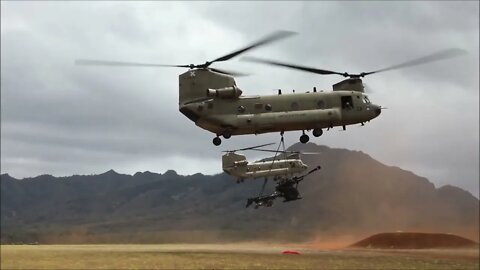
<point>287,32</point>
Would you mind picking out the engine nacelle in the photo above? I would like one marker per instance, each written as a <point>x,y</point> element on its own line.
<point>227,92</point>
<point>240,163</point>
<point>350,84</point>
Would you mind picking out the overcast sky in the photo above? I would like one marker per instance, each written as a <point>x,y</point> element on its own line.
<point>62,119</point>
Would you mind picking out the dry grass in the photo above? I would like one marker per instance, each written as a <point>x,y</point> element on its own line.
<point>227,256</point>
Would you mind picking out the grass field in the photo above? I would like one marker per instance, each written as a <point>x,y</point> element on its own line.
<point>227,256</point>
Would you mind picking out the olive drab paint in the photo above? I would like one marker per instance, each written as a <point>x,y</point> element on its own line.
<point>214,102</point>
<point>237,166</point>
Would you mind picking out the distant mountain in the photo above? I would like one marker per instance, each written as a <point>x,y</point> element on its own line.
<point>352,193</point>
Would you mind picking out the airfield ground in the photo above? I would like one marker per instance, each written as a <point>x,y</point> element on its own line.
<point>229,256</point>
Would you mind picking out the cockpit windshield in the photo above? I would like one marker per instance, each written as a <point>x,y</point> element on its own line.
<point>366,100</point>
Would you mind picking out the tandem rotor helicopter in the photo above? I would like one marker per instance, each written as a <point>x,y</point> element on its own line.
<point>211,98</point>
<point>237,165</point>
<point>282,168</point>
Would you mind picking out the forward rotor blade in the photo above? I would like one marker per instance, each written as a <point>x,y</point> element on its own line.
<point>271,38</point>
<point>253,147</point>
<point>267,150</point>
<point>87,62</point>
<point>440,55</point>
<point>303,68</point>
<point>249,148</point>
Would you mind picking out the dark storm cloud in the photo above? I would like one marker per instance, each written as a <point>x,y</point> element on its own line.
<point>55,111</point>
<point>62,119</point>
<point>362,35</point>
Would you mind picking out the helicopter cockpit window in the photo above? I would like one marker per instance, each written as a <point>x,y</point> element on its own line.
<point>347,102</point>
<point>365,98</point>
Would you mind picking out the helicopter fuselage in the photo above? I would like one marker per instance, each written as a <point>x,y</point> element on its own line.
<point>285,112</point>
<point>222,109</point>
<point>236,165</point>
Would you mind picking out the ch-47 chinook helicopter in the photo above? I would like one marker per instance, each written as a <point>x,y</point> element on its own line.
<point>211,98</point>
<point>237,165</point>
<point>284,168</point>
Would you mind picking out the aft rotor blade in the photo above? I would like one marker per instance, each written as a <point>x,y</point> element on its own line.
<point>271,38</point>
<point>228,72</point>
<point>302,68</point>
<point>310,153</point>
<point>88,62</point>
<point>440,55</point>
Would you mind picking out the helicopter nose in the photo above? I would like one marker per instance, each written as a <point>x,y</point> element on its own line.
<point>377,110</point>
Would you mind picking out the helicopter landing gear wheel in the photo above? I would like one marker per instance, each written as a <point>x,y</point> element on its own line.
<point>227,134</point>
<point>317,132</point>
<point>217,141</point>
<point>304,138</point>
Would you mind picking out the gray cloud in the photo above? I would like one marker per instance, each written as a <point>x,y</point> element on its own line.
<point>62,119</point>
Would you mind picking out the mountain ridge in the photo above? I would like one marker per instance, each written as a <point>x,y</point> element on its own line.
<point>351,193</point>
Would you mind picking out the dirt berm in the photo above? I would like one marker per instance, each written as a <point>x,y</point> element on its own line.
<point>414,240</point>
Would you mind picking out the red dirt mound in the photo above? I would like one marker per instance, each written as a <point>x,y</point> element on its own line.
<point>414,240</point>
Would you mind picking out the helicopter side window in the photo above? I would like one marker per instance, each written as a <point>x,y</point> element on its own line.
<point>241,109</point>
<point>268,107</point>
<point>347,102</point>
<point>367,101</point>
<point>321,104</point>
<point>294,106</point>
<point>258,106</point>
